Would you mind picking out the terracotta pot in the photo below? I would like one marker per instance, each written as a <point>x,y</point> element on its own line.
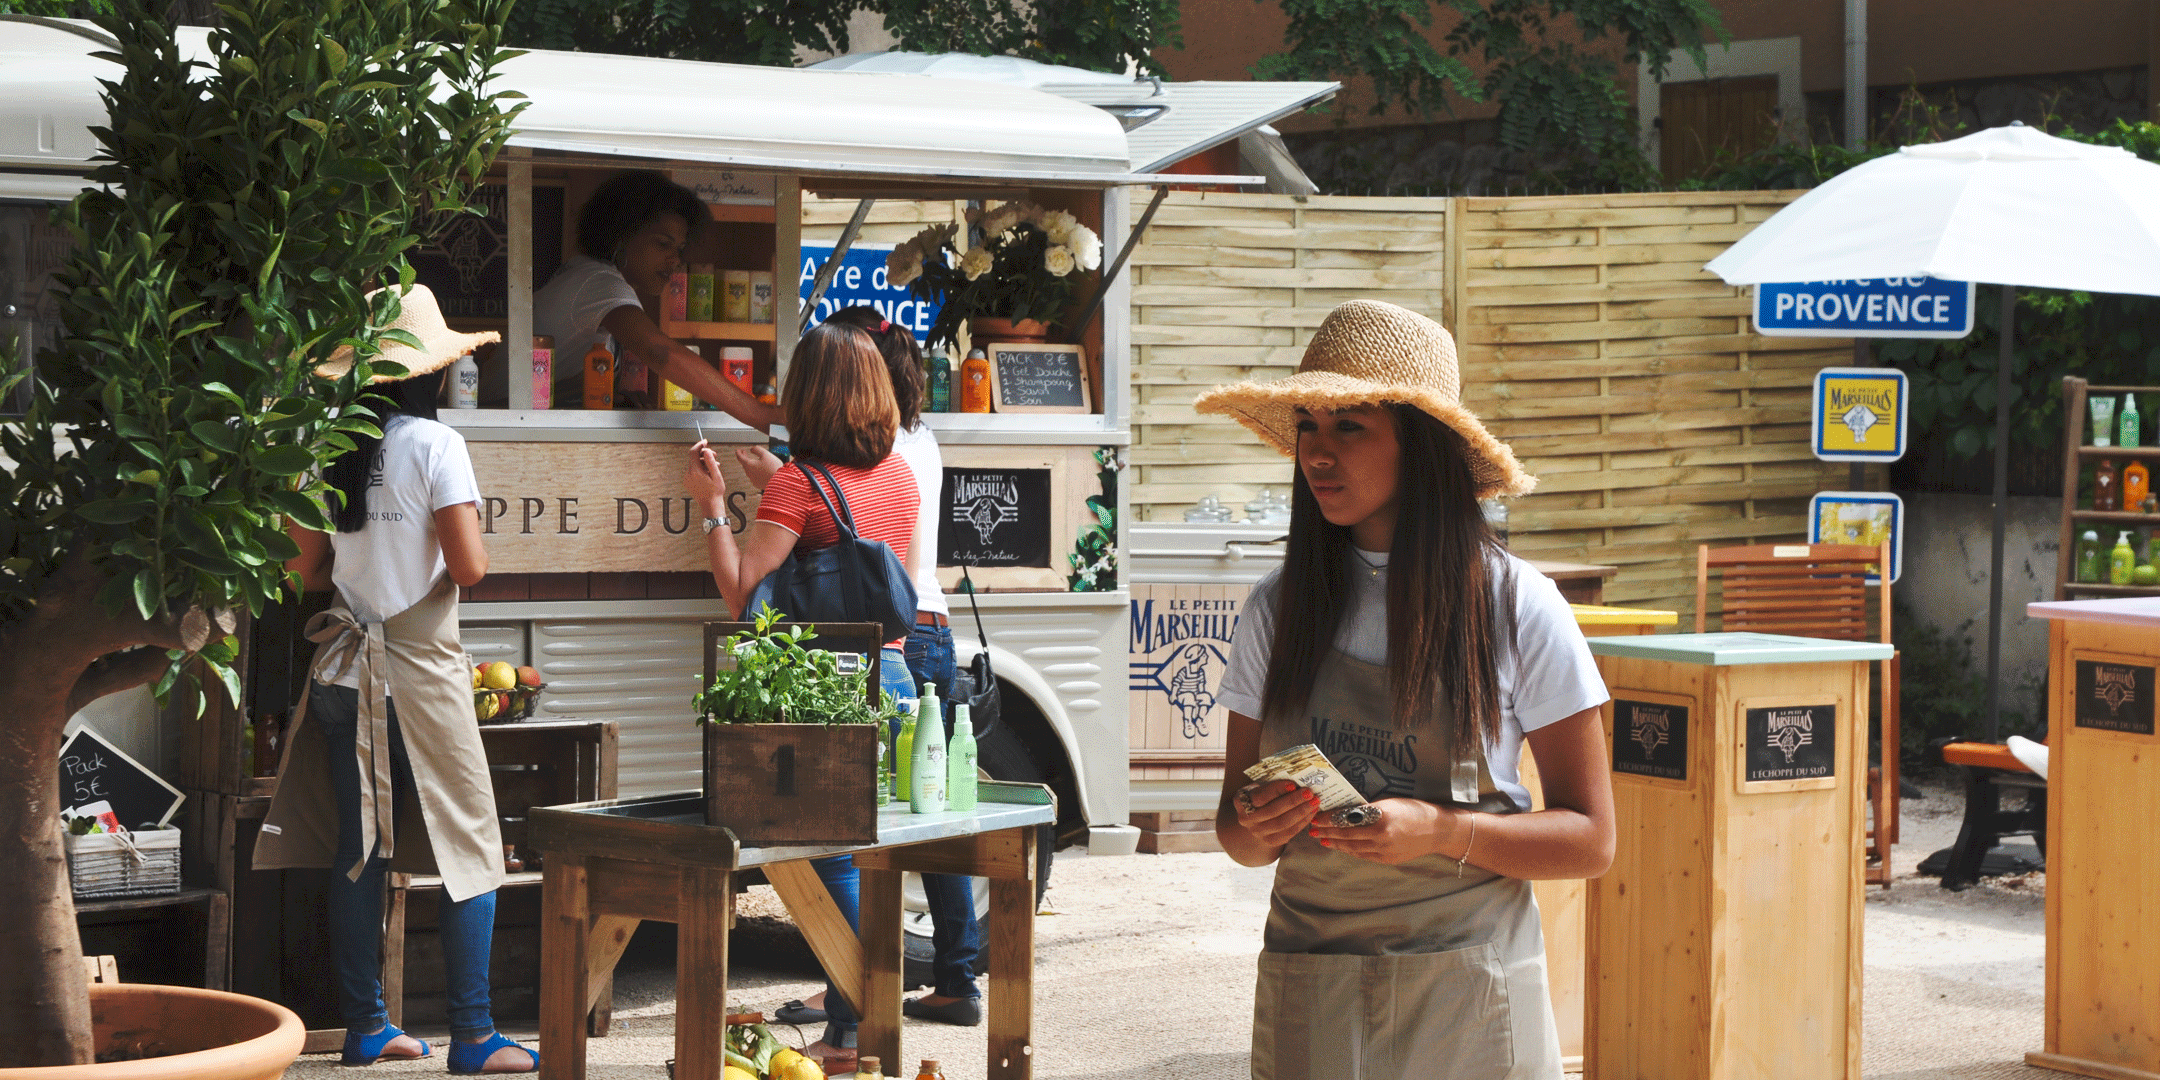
<point>206,1035</point>
<point>985,329</point>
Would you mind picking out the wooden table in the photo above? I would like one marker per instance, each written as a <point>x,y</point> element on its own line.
<point>611,863</point>
<point>1725,942</point>
<point>2103,860</point>
<point>1580,583</point>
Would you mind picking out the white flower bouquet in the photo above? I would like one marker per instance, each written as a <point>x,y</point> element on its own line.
<point>1024,268</point>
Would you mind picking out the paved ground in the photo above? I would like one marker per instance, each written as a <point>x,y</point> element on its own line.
<point>1145,966</point>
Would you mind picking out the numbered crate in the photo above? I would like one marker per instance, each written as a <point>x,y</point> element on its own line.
<point>102,866</point>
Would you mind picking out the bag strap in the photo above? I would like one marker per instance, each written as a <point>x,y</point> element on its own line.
<point>843,521</point>
<point>970,583</point>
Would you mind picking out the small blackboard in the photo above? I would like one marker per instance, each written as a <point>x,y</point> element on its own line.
<point>2114,697</point>
<point>1791,742</point>
<point>1039,379</point>
<point>93,770</point>
<point>1650,739</point>
<point>994,517</point>
<point>467,264</point>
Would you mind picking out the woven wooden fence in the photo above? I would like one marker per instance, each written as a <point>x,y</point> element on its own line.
<point>1626,378</point>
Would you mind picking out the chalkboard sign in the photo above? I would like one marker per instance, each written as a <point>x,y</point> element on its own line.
<point>1650,739</point>
<point>2114,697</point>
<point>1039,379</point>
<point>995,517</point>
<point>1791,742</point>
<point>467,265</point>
<point>93,770</point>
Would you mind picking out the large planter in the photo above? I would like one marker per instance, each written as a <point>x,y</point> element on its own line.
<point>204,1035</point>
<point>787,784</point>
<point>984,330</point>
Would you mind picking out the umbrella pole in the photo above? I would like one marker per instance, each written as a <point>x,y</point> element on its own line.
<point>2002,509</point>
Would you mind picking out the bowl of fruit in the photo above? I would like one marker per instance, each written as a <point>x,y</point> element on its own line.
<point>503,694</point>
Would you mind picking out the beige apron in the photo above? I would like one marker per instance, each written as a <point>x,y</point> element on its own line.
<point>1375,972</point>
<point>415,658</point>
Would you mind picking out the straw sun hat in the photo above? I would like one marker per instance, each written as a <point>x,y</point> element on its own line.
<point>1365,353</point>
<point>421,317</point>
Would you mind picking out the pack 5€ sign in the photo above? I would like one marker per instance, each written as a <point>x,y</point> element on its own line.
<point>1878,307</point>
<point>1859,414</point>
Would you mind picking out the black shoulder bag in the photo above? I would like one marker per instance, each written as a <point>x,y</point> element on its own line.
<point>976,685</point>
<point>856,580</point>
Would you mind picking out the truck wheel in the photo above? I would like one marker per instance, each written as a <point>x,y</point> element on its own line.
<point>1000,755</point>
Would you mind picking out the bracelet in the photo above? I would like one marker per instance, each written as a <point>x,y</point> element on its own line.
<point>1465,856</point>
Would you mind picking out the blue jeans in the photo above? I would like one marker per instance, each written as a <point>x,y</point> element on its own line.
<point>955,934</point>
<point>356,915</point>
<point>838,873</point>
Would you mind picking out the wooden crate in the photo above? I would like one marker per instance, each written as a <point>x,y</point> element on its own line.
<point>779,784</point>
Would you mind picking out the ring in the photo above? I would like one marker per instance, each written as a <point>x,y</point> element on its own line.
<point>1244,802</point>
<point>1350,817</point>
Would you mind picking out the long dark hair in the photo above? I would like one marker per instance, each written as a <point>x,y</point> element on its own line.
<point>350,471</point>
<point>1444,633</point>
<point>903,357</point>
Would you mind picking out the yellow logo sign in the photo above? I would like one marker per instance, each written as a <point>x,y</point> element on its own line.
<point>1859,414</point>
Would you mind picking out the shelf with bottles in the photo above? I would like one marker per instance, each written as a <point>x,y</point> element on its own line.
<point>723,331</point>
<point>2099,588</point>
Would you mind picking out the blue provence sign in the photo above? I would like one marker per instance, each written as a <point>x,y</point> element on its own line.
<point>861,281</point>
<point>1919,307</point>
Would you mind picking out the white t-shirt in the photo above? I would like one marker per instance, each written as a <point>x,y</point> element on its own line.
<point>918,447</point>
<point>570,306</point>
<point>1548,675</point>
<point>395,561</point>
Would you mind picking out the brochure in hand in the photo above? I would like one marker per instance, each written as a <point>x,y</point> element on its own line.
<point>1310,769</point>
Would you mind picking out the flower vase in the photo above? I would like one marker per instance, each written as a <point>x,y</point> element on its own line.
<point>985,330</point>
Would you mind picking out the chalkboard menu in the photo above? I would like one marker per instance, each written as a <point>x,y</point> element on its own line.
<point>2114,697</point>
<point>93,770</point>
<point>994,517</point>
<point>1039,378</point>
<point>1650,739</point>
<point>467,265</point>
<point>1791,742</point>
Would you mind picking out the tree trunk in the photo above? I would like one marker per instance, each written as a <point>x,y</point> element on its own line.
<point>44,660</point>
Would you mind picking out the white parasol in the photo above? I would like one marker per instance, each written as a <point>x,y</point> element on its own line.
<point>2008,206</point>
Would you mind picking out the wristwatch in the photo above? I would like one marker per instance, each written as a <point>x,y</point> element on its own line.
<point>711,524</point>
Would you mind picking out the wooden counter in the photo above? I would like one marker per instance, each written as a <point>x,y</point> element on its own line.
<point>1725,942</point>
<point>2103,857</point>
<point>610,864</point>
<point>1580,583</point>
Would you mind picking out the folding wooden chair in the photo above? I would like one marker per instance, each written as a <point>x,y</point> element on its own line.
<point>1820,591</point>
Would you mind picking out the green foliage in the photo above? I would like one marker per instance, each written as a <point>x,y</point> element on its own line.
<point>1094,553</point>
<point>775,680</point>
<point>1554,100</point>
<point>57,9</point>
<point>1104,35</point>
<point>250,204</point>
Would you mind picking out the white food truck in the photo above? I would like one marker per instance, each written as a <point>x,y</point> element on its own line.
<point>597,579</point>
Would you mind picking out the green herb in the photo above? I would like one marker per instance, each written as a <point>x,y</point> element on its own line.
<point>775,680</point>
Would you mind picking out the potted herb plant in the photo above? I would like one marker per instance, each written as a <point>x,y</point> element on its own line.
<point>792,732</point>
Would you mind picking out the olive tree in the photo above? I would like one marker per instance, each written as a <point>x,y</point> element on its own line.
<point>248,204</point>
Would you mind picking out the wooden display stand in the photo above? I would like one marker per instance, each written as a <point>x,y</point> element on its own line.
<point>2103,895</point>
<point>1563,903</point>
<point>2079,455</point>
<point>1725,942</point>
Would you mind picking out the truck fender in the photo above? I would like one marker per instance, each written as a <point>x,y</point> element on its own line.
<point>1015,673</point>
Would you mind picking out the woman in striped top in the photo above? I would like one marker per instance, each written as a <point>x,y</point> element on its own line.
<point>841,414</point>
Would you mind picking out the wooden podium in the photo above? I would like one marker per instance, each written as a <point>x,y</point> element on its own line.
<point>1725,942</point>
<point>2103,856</point>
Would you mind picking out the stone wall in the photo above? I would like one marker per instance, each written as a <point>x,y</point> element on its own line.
<point>1945,582</point>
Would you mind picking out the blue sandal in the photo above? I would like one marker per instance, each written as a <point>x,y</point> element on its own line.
<point>469,1059</point>
<point>368,1049</point>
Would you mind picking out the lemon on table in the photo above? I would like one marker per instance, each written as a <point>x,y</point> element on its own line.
<point>500,676</point>
<point>2145,575</point>
<point>737,1072</point>
<point>479,673</point>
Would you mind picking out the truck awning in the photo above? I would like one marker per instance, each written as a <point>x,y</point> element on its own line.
<point>818,123</point>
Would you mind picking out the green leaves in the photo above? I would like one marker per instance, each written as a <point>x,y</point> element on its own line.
<point>775,680</point>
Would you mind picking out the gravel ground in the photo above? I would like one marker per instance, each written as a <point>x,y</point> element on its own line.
<point>1144,968</point>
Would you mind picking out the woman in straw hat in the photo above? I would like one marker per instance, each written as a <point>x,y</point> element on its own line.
<point>1404,642</point>
<point>384,767</point>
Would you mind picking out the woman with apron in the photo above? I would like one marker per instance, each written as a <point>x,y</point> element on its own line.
<point>384,768</point>
<point>1402,640</point>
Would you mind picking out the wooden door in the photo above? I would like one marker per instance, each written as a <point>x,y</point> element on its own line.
<point>1704,123</point>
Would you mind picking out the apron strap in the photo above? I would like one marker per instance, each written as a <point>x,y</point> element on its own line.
<point>343,642</point>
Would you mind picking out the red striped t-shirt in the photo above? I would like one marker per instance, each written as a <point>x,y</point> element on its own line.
<point>882,499</point>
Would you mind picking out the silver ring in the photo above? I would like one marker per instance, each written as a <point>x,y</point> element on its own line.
<point>1351,817</point>
<point>1244,802</point>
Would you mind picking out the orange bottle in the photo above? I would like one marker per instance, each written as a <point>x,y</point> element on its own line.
<point>929,1070</point>
<point>2136,483</point>
<point>599,377</point>
<point>975,382</point>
